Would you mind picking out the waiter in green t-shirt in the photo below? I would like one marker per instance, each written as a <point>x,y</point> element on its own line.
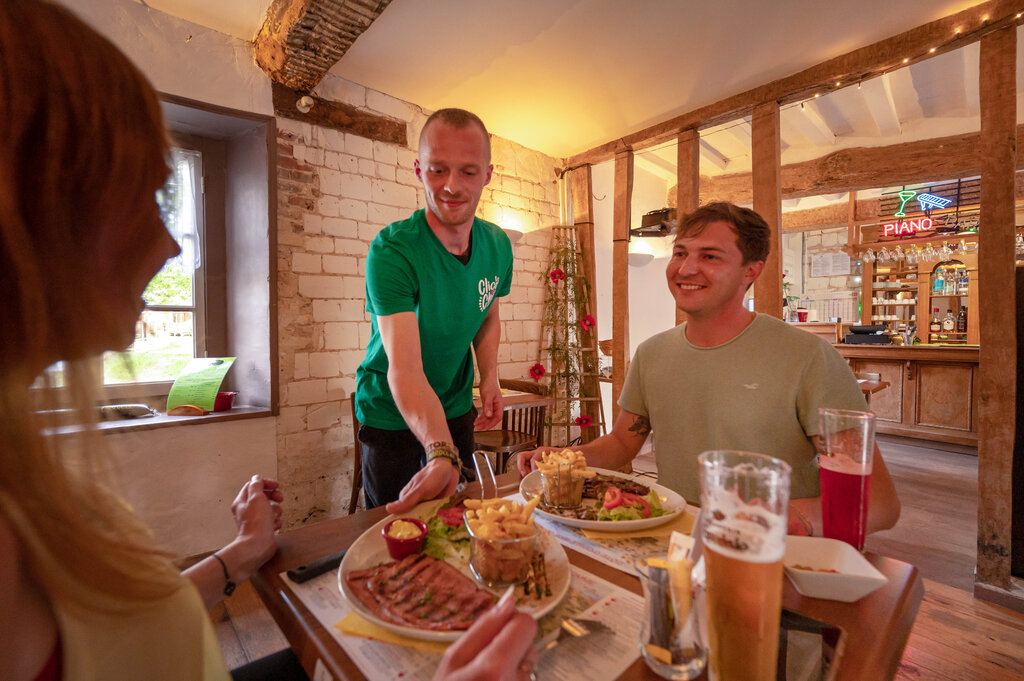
<point>432,288</point>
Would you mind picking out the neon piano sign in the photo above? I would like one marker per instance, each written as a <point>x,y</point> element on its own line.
<point>907,227</point>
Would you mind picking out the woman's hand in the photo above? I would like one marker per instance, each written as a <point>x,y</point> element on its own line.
<point>498,647</point>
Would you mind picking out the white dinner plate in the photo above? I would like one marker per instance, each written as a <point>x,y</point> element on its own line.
<point>370,550</point>
<point>531,486</point>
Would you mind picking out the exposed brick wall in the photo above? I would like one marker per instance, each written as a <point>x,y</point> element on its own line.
<point>336,192</point>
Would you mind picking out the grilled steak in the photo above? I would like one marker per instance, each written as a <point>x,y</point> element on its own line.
<point>595,487</point>
<point>420,591</point>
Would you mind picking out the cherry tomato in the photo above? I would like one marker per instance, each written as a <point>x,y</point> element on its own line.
<point>451,516</point>
<point>612,497</point>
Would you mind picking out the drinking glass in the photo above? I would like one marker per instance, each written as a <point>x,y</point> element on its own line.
<point>847,446</point>
<point>672,650</point>
<point>744,500</point>
<point>869,255</point>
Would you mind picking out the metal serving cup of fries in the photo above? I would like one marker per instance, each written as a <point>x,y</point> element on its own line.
<point>501,562</point>
<point>561,487</point>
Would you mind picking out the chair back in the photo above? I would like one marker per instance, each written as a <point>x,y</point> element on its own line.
<point>527,419</point>
<point>357,460</point>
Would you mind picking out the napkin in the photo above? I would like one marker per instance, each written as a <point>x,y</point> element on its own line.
<point>354,624</point>
<point>681,523</point>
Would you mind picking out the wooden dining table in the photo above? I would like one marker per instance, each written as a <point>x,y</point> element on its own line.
<point>875,628</point>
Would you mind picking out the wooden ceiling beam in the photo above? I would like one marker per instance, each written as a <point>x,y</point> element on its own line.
<point>864,168</point>
<point>861,64</point>
<point>302,39</point>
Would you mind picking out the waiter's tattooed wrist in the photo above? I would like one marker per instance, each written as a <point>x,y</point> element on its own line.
<point>641,426</point>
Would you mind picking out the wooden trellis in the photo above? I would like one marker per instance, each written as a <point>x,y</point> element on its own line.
<point>570,344</point>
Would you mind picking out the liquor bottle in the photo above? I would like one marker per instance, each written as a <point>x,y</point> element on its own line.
<point>949,284</point>
<point>964,280</point>
<point>949,322</point>
<point>938,286</point>
<point>936,325</point>
<point>961,320</point>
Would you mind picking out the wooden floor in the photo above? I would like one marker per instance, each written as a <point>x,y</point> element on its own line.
<point>955,637</point>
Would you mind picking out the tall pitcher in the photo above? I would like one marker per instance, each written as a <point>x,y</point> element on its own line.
<point>744,499</point>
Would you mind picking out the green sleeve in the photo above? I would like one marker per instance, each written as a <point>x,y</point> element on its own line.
<point>391,285</point>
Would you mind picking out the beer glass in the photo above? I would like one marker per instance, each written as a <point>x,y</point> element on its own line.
<point>847,444</point>
<point>744,501</point>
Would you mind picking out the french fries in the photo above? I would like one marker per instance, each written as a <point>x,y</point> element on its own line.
<point>503,539</point>
<point>562,474</point>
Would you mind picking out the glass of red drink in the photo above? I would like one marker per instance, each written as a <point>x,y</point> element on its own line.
<point>847,444</point>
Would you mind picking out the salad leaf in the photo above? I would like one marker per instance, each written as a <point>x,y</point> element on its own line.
<point>444,540</point>
<point>626,512</point>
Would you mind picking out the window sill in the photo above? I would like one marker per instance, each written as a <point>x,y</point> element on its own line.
<point>162,420</point>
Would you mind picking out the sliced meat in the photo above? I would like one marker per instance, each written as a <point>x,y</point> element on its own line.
<point>595,487</point>
<point>420,591</point>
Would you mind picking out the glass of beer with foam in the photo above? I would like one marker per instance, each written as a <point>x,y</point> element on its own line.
<point>744,499</point>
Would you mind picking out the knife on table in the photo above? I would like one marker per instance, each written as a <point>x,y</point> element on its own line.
<point>315,568</point>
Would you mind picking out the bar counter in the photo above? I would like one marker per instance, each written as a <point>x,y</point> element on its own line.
<point>932,393</point>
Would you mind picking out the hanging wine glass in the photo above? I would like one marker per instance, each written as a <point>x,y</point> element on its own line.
<point>945,252</point>
<point>884,256</point>
<point>869,255</point>
<point>1019,246</point>
<point>898,255</point>
<point>912,255</point>
<point>929,253</point>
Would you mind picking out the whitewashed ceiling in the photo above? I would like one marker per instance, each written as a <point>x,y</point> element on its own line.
<point>562,76</point>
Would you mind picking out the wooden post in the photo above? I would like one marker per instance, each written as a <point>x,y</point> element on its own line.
<point>620,274</point>
<point>581,182</point>
<point>998,354</point>
<point>687,182</point>
<point>766,164</point>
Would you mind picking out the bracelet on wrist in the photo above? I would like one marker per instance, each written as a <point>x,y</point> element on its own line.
<point>442,450</point>
<point>229,586</point>
<point>804,521</point>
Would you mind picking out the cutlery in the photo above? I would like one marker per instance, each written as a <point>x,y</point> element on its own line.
<point>315,568</point>
<point>576,628</point>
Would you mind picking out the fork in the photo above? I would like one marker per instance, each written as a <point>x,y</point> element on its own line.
<point>576,628</point>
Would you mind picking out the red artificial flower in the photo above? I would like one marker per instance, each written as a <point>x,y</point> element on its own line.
<point>537,371</point>
<point>583,421</point>
<point>556,276</point>
<point>588,322</point>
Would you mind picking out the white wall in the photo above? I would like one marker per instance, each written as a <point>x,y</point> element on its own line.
<point>182,480</point>
<point>180,57</point>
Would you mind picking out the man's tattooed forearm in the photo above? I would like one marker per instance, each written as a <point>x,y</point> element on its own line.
<point>641,426</point>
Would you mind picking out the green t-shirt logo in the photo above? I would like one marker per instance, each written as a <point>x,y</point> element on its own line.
<point>487,290</point>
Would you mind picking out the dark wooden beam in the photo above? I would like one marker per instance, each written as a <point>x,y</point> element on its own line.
<point>864,168</point>
<point>851,67</point>
<point>997,281</point>
<point>340,116</point>
<point>300,40</point>
<point>766,150</point>
<point>687,192</point>
<point>620,274</point>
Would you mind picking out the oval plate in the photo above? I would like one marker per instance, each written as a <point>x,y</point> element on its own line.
<point>531,486</point>
<point>370,550</point>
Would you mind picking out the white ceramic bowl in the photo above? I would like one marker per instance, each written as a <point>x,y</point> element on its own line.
<point>854,578</point>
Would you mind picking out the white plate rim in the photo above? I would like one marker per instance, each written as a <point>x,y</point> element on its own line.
<point>370,549</point>
<point>670,499</point>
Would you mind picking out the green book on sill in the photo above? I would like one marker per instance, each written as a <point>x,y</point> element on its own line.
<point>198,382</point>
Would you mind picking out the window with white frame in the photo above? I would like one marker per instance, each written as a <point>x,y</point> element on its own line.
<point>171,329</point>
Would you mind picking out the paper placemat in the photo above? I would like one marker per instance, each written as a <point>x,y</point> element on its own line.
<point>599,657</point>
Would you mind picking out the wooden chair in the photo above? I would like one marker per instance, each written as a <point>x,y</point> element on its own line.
<point>357,461</point>
<point>521,428</point>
